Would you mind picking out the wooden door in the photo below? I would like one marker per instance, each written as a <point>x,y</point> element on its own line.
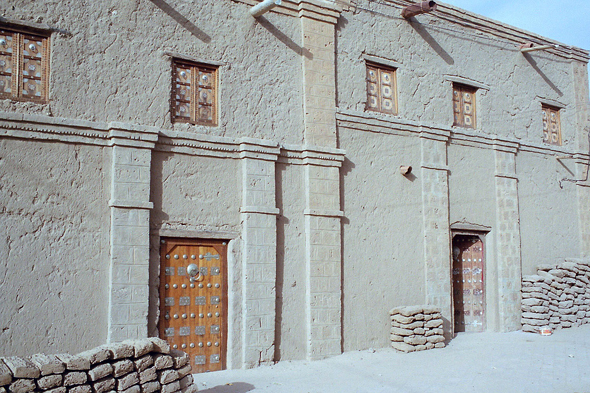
<point>468,284</point>
<point>193,309</point>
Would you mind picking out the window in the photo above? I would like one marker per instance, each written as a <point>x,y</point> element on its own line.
<point>194,93</point>
<point>24,66</point>
<point>464,105</point>
<point>381,89</point>
<point>551,125</point>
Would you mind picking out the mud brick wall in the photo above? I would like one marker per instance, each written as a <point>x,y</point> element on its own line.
<point>134,366</point>
<point>558,296</point>
<point>416,328</point>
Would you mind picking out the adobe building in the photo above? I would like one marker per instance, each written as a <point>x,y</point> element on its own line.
<point>234,184</point>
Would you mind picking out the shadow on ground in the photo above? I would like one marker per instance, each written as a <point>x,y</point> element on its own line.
<point>236,387</point>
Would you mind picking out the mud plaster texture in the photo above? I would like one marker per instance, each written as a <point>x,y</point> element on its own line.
<point>297,176</point>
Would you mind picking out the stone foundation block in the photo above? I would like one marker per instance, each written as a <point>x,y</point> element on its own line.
<point>184,371</point>
<point>104,385</point>
<point>439,345</point>
<point>162,362</point>
<point>121,351</point>
<point>435,339</point>
<point>73,378</point>
<point>402,346</point>
<point>171,387</point>
<point>395,337</point>
<point>433,323</point>
<point>100,371</point>
<point>415,340</point>
<point>57,390</point>
<point>48,364</point>
<point>96,355</point>
<point>80,389</point>
<point>50,381</point>
<point>186,381</point>
<point>140,347</point>
<point>74,363</point>
<point>123,367</point>
<point>160,345</point>
<point>150,387</point>
<point>22,386</point>
<point>127,381</point>
<point>149,374</point>
<point>401,331</point>
<point>132,389</point>
<point>5,374</point>
<point>21,367</point>
<point>168,376</point>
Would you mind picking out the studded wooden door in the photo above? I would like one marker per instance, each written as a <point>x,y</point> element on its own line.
<point>193,300</point>
<point>468,283</point>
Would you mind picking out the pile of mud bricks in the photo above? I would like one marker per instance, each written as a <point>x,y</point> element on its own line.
<point>416,328</point>
<point>137,366</point>
<point>558,296</point>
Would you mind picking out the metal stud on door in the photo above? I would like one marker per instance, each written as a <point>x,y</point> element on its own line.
<point>193,300</point>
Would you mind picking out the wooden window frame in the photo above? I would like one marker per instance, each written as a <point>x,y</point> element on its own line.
<point>551,137</point>
<point>195,89</point>
<point>378,92</point>
<point>19,55</point>
<point>459,104</point>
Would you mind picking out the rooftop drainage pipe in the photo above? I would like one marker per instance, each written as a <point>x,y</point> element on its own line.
<point>263,7</point>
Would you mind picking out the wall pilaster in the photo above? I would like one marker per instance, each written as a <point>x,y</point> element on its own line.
<point>508,258</point>
<point>435,213</point>
<point>130,211</point>
<point>259,265</point>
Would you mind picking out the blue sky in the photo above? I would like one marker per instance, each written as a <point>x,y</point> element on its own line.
<point>564,21</point>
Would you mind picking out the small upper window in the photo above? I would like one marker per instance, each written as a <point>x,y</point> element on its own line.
<point>381,89</point>
<point>551,125</point>
<point>194,93</point>
<point>464,105</point>
<point>24,66</point>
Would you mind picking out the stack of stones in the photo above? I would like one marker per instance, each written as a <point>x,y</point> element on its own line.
<point>138,366</point>
<point>416,328</point>
<point>558,296</point>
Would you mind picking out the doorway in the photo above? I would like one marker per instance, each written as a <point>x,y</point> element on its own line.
<point>193,300</point>
<point>468,283</point>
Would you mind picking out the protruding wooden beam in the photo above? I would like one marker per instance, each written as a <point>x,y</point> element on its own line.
<point>263,7</point>
<point>530,47</point>
<point>418,8</point>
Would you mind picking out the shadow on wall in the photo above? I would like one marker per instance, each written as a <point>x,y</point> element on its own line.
<point>533,64</point>
<point>283,38</point>
<point>236,387</point>
<point>430,41</point>
<point>187,24</point>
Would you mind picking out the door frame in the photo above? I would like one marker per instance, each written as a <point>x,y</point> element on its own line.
<point>479,231</point>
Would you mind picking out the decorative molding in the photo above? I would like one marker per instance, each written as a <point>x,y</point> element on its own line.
<point>311,155</point>
<point>181,56</point>
<point>382,61</point>
<point>463,226</point>
<point>465,81</point>
<point>321,10</point>
<point>126,204</point>
<point>260,210</point>
<point>323,213</point>
<point>196,234</point>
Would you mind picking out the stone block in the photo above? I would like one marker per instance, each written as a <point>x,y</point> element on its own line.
<point>127,381</point>
<point>190,389</point>
<point>132,389</point>
<point>402,319</point>
<point>433,323</point>
<point>48,364</point>
<point>532,315</point>
<point>80,389</point>
<point>100,371</point>
<point>429,345</point>
<point>61,389</point>
<point>540,309</point>
<point>124,366</point>
<point>22,385</point>
<point>171,387</point>
<point>160,345</point>
<point>440,345</point>
<point>532,302</point>
<point>140,347</point>
<point>421,347</point>
<point>74,363</point>
<point>73,378</point>
<point>96,355</point>
<point>184,371</point>
<point>419,331</point>
<point>435,339</point>
<point>186,381</point>
<point>104,385</point>
<point>21,367</point>
<point>428,333</point>
<point>150,387</point>
<point>144,362</point>
<point>566,324</point>
<point>534,322</point>
<point>403,347</point>
<point>419,317</point>
<point>168,376</point>
<point>162,361</point>
<point>5,374</point>
<point>414,325</point>
<point>395,337</point>
<point>428,309</point>
<point>149,374</point>
<point>50,381</point>
<point>121,351</point>
<point>401,332</point>
<point>415,340</point>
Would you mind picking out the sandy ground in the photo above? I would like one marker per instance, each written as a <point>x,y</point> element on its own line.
<point>483,362</point>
